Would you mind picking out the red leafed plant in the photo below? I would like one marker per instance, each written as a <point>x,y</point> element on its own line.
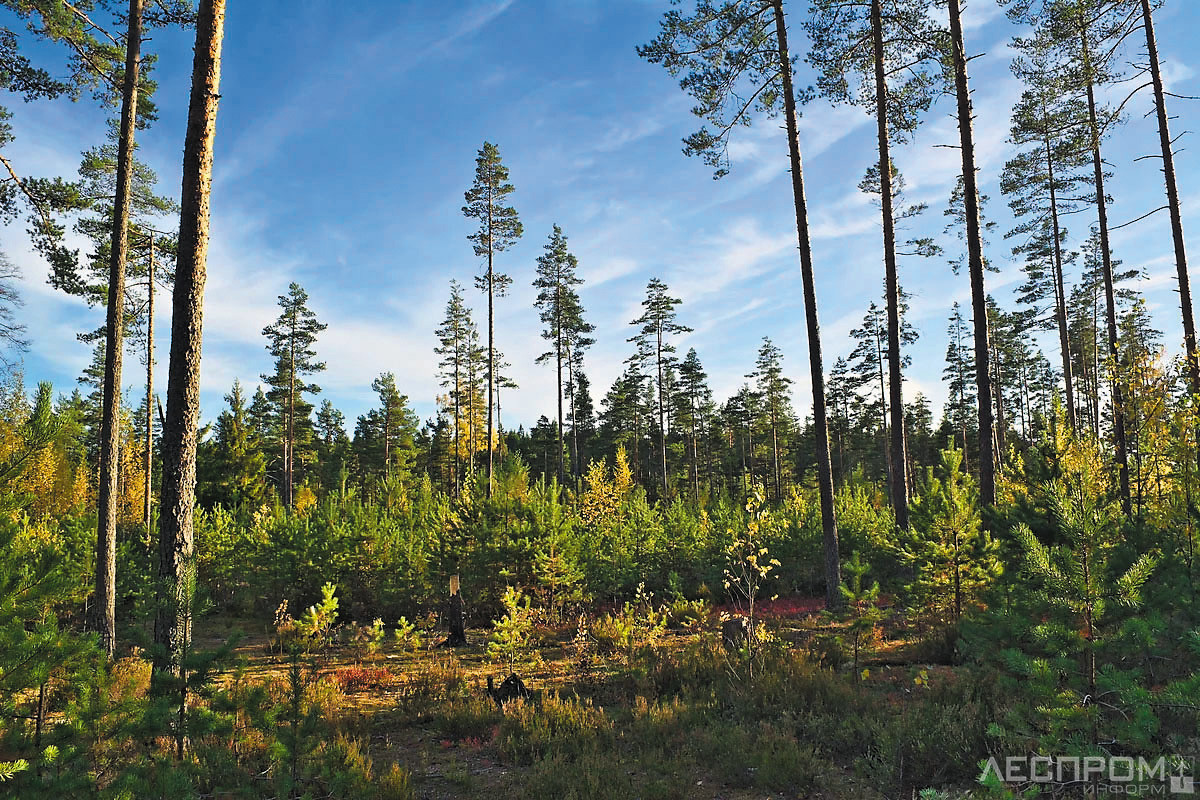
<point>358,678</point>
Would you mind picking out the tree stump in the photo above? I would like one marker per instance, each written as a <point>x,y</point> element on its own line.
<point>511,688</point>
<point>455,617</point>
<point>735,632</point>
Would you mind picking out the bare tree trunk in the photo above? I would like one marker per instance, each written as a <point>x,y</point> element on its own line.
<point>662,414</point>
<point>1119,439</point>
<point>833,565</point>
<point>110,424</point>
<point>491,376</point>
<point>172,628</point>
<point>898,458</point>
<point>149,384</point>
<point>290,465</point>
<point>457,421</point>
<point>695,457</point>
<point>1060,289</point>
<point>1168,158</point>
<point>558,390</point>
<point>576,465</point>
<point>983,383</point>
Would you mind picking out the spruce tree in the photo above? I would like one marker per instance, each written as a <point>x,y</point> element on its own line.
<point>290,340</point>
<point>583,418</point>
<point>499,229</point>
<point>241,464</point>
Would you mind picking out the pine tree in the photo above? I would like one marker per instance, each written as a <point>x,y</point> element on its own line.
<point>694,401</point>
<point>453,347</point>
<point>583,419</point>
<point>1080,582</point>
<point>773,387</point>
<point>94,62</point>
<point>149,263</point>
<point>958,368</point>
<point>499,229</point>
<point>654,348</point>
<point>1044,182</point>
<point>172,629</point>
<point>953,560</point>
<point>562,314</point>
<point>976,264</point>
<point>333,448</point>
<point>1166,144</point>
<point>735,62</point>
<point>290,340</point>
<point>1078,43</point>
<point>578,341</point>
<point>885,47</point>
<point>396,422</point>
<point>106,534</point>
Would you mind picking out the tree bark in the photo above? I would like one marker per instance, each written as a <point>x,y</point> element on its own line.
<point>558,348</point>
<point>110,424</point>
<point>662,413</point>
<point>172,628</point>
<point>491,377</point>
<point>1168,158</point>
<point>149,385</point>
<point>457,416</point>
<point>983,384</point>
<point>1060,288</point>
<point>898,458</point>
<point>833,565</point>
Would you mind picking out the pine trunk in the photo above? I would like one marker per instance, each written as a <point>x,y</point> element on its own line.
<point>1110,302</point>
<point>110,424</point>
<point>149,387</point>
<point>662,414</point>
<point>558,390</point>
<point>173,624</point>
<point>898,458</point>
<point>833,566</point>
<point>1060,291</point>
<point>491,376</point>
<point>1168,158</point>
<point>983,384</point>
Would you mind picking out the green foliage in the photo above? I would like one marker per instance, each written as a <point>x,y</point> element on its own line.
<point>862,604</point>
<point>509,641</point>
<point>317,623</point>
<point>954,560</point>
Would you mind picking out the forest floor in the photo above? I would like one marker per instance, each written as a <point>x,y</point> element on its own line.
<point>677,719</point>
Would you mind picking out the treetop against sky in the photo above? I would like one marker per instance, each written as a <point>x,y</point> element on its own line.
<point>347,140</point>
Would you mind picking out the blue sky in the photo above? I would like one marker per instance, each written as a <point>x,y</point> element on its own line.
<point>345,142</point>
